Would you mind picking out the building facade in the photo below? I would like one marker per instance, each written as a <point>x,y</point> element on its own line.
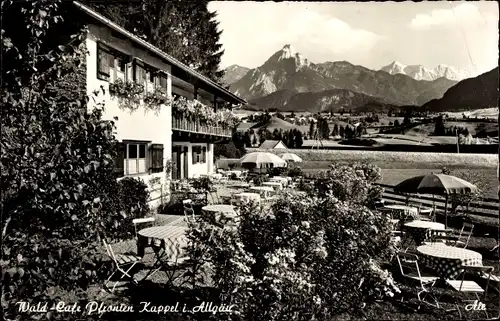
<point>167,116</point>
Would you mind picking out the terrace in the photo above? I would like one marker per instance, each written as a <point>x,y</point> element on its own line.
<point>223,202</point>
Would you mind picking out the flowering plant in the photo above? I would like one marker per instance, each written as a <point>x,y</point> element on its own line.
<point>287,259</point>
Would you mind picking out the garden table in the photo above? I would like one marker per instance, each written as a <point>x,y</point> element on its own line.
<point>447,260</point>
<point>263,190</point>
<point>237,173</point>
<point>275,185</point>
<point>422,230</point>
<point>247,196</point>
<point>168,237</point>
<point>220,208</point>
<point>279,179</point>
<point>401,211</point>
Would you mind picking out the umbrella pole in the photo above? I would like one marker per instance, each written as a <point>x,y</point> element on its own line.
<point>446,212</point>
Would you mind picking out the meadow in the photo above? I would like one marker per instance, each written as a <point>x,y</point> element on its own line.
<point>480,169</point>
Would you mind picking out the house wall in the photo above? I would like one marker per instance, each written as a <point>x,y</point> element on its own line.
<point>138,125</point>
<point>195,170</point>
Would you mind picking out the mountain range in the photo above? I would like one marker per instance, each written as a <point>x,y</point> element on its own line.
<point>419,72</point>
<point>473,93</point>
<point>288,81</point>
<point>234,73</point>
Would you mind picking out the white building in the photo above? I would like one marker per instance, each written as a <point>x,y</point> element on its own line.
<point>150,140</point>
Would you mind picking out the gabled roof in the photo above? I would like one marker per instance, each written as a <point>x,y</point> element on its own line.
<point>160,53</point>
<point>270,144</point>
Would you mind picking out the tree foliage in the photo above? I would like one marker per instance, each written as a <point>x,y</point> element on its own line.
<point>186,30</point>
<point>59,193</point>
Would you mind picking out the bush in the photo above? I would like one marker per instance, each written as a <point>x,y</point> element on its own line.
<point>295,171</point>
<point>259,179</point>
<point>131,202</point>
<point>277,171</point>
<point>289,260</point>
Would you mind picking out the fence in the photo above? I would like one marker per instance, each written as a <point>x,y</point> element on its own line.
<point>486,208</point>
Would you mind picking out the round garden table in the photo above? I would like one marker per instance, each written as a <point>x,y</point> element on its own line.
<point>263,190</point>
<point>423,230</point>
<point>401,211</point>
<point>220,208</point>
<point>447,260</point>
<point>275,185</point>
<point>248,196</point>
<point>279,179</point>
<point>171,238</point>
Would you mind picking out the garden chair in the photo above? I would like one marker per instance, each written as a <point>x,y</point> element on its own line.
<point>123,263</point>
<point>137,221</point>
<point>465,287</point>
<point>188,208</point>
<point>408,265</point>
<point>462,240</point>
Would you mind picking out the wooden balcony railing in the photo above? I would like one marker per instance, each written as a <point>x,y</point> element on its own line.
<point>182,124</point>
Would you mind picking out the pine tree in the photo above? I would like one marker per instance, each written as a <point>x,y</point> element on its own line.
<point>298,139</point>
<point>185,30</point>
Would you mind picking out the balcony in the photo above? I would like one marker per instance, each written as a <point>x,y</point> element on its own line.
<point>180,123</point>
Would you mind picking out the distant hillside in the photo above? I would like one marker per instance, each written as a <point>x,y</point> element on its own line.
<point>328,100</point>
<point>469,94</point>
<point>234,73</point>
<point>290,71</point>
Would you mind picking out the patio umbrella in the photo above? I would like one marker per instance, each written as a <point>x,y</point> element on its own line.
<point>262,160</point>
<point>291,157</point>
<point>436,184</point>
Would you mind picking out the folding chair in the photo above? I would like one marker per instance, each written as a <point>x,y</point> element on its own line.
<point>121,261</point>
<point>137,221</point>
<point>464,236</point>
<point>409,262</point>
<point>188,209</point>
<point>468,286</point>
<point>141,246</point>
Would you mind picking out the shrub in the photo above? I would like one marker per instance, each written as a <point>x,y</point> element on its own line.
<point>259,179</point>
<point>277,171</point>
<point>299,258</point>
<point>57,162</point>
<point>295,171</point>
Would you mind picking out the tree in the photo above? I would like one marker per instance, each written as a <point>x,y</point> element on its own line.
<point>247,139</point>
<point>298,139</point>
<point>342,131</point>
<point>280,115</point>
<point>57,176</point>
<point>396,123</point>
<point>312,129</point>
<point>185,30</point>
<point>292,115</point>
<point>325,130</point>
<point>335,131</point>
<point>439,129</point>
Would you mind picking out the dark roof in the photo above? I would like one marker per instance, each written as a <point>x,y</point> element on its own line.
<point>223,93</point>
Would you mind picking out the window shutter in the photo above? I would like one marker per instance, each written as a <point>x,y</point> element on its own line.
<point>120,160</point>
<point>204,155</point>
<point>104,63</point>
<point>194,154</point>
<point>156,156</point>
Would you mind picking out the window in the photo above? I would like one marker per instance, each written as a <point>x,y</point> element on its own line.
<point>196,154</point>
<point>111,65</point>
<point>199,154</point>
<point>105,61</point>
<point>135,158</point>
<point>139,73</point>
<point>162,81</point>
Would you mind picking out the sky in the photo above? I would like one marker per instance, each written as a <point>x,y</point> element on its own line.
<point>459,34</point>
